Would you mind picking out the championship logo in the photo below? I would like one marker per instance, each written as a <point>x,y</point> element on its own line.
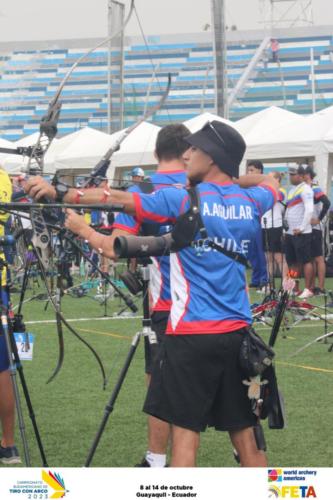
<point>56,482</point>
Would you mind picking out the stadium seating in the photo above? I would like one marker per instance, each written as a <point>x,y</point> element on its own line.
<point>29,78</point>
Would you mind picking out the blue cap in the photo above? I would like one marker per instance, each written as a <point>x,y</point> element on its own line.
<point>137,171</point>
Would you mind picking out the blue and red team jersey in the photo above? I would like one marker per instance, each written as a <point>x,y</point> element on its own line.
<point>159,284</point>
<point>208,289</point>
<point>318,193</point>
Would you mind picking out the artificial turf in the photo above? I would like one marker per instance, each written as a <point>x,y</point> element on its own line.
<point>70,408</point>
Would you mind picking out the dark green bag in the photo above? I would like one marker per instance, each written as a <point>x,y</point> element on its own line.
<point>255,356</point>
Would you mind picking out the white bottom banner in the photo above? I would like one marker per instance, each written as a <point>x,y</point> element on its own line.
<point>168,483</point>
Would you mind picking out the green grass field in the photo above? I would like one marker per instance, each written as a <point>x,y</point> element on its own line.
<point>70,408</point>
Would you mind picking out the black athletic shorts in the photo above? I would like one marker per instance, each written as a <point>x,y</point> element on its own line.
<point>298,248</point>
<point>272,239</point>
<point>197,382</point>
<point>317,243</point>
<point>159,321</point>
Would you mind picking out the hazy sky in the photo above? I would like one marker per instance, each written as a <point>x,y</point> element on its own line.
<point>52,19</point>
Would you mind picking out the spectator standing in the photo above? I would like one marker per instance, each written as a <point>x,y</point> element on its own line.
<point>275,46</point>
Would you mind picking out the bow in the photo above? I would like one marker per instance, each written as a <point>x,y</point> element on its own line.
<point>99,171</point>
<point>48,130</point>
<point>41,237</point>
<point>97,175</point>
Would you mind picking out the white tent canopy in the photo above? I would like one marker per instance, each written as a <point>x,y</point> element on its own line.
<point>16,164</point>
<point>81,150</point>
<point>196,123</point>
<point>6,144</point>
<point>328,139</point>
<point>272,135</point>
<point>4,157</point>
<point>301,138</point>
<point>254,126</point>
<point>28,140</point>
<point>138,148</point>
<point>78,150</point>
<point>275,134</point>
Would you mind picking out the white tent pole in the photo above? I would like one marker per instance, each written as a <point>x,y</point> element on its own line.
<point>323,168</point>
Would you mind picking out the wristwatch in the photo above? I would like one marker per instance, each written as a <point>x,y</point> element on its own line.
<point>61,190</point>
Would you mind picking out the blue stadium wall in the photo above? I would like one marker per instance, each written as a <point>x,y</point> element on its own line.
<point>30,73</point>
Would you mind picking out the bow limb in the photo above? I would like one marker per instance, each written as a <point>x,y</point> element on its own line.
<point>99,171</point>
<point>100,44</point>
<point>41,245</point>
<point>60,317</point>
<point>48,124</point>
<point>61,345</point>
<point>61,342</point>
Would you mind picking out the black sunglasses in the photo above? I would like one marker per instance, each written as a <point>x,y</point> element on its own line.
<point>211,126</point>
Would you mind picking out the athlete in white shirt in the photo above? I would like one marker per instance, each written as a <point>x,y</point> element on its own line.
<point>299,234</point>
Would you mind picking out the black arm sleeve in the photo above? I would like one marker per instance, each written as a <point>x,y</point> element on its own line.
<point>326,205</point>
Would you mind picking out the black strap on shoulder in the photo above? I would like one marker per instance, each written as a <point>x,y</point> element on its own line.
<point>187,225</point>
<point>146,186</point>
<point>238,257</point>
<point>195,209</point>
<point>148,228</point>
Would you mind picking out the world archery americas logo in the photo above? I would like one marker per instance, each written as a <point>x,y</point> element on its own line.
<point>286,490</point>
<point>274,475</point>
<point>56,482</point>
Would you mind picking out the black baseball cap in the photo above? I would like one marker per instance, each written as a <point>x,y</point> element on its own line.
<point>300,170</point>
<point>222,143</point>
